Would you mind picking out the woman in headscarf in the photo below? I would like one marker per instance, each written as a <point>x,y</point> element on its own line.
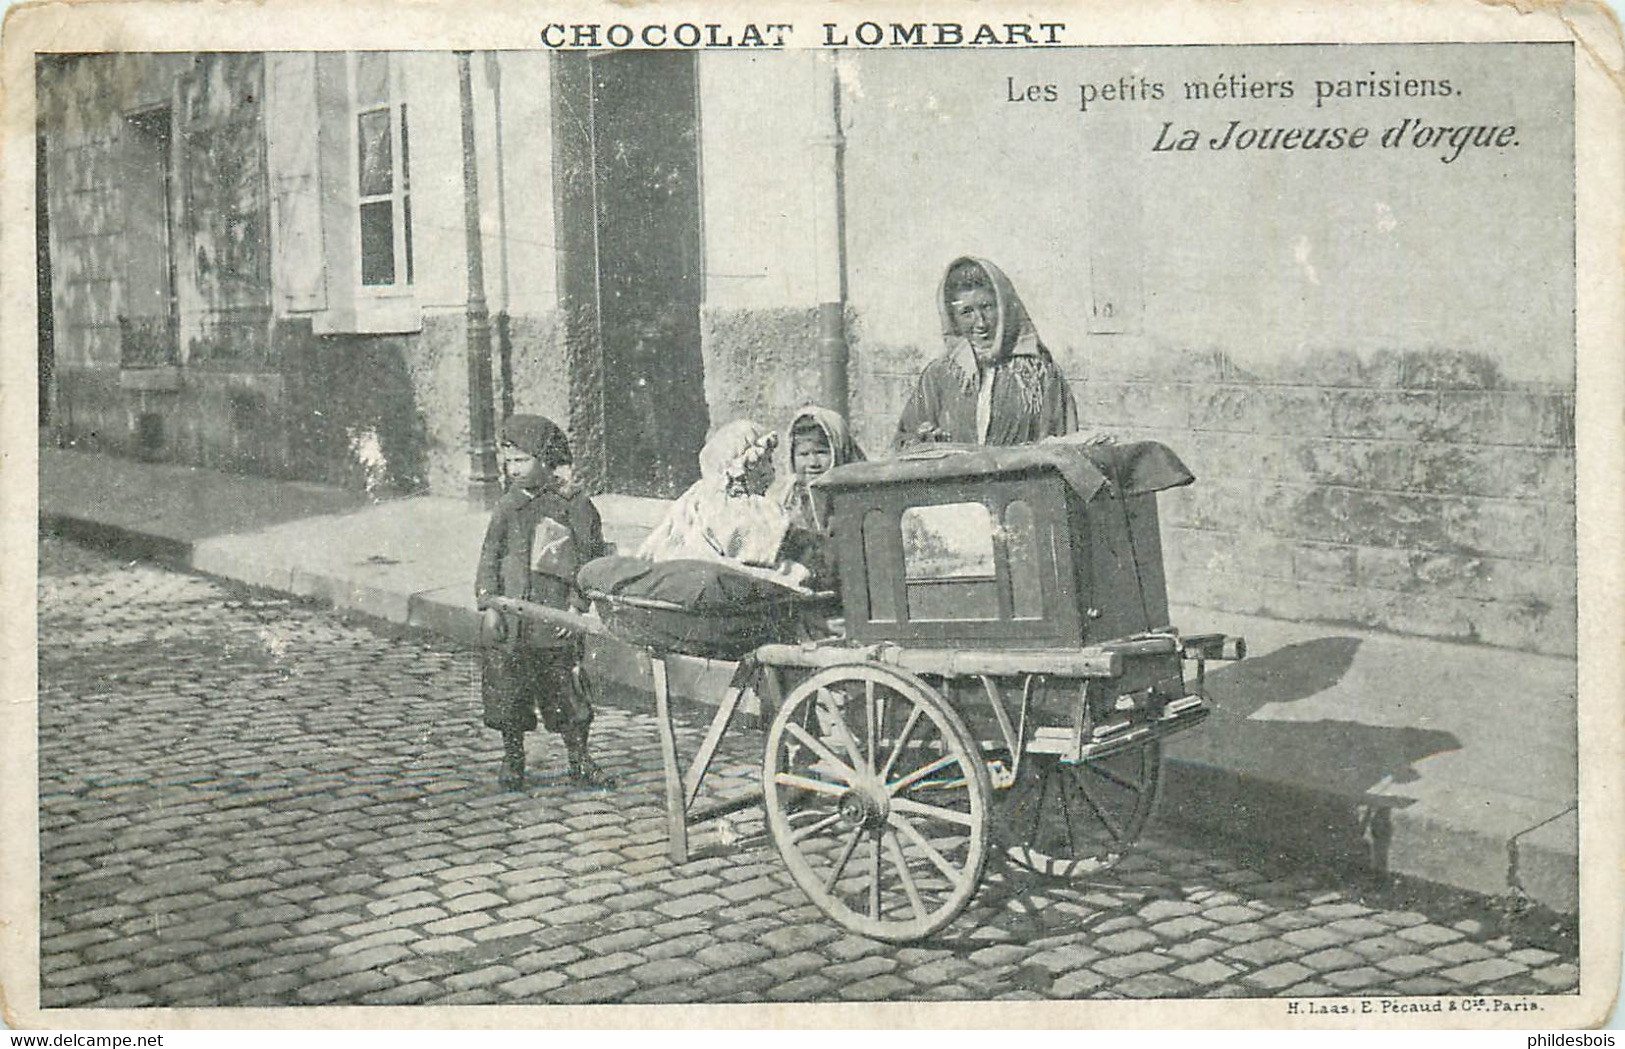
<point>727,515</point>
<point>819,441</point>
<point>996,382</point>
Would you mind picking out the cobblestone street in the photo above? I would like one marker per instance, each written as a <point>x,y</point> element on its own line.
<point>250,801</point>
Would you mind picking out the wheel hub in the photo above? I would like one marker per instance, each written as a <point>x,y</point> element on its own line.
<point>859,808</point>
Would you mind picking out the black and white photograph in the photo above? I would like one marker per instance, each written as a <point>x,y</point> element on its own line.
<point>631,506</point>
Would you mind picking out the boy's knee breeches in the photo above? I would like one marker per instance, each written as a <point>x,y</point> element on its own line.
<point>519,684</point>
<point>564,704</point>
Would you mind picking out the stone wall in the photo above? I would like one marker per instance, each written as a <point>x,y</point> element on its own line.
<point>1418,492</point>
<point>389,413</point>
<point>1421,492</point>
<point>760,364</point>
<point>112,122</point>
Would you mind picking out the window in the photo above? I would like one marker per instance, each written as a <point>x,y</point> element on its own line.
<point>948,563</point>
<point>339,161</point>
<point>383,165</point>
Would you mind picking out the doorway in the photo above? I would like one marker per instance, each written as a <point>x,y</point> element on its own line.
<point>149,328</point>
<point>638,147</point>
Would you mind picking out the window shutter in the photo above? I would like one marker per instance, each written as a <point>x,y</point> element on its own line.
<point>298,269</point>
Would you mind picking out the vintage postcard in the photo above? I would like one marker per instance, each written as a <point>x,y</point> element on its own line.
<point>1019,515</point>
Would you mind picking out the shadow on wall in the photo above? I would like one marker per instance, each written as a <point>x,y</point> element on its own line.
<point>353,416</point>
<point>1258,767</point>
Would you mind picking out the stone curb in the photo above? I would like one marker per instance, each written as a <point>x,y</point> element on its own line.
<point>164,550</point>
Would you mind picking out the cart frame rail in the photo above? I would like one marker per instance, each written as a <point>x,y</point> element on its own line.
<point>759,674</point>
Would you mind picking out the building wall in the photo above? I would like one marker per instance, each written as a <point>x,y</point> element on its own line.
<point>523,263</point>
<point>1367,358</point>
<point>83,100</point>
<point>105,267</point>
<point>404,426</point>
<point>764,273</point>
<point>281,372</point>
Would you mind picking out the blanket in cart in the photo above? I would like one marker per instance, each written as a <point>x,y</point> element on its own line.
<point>696,607</point>
<point>1134,468</point>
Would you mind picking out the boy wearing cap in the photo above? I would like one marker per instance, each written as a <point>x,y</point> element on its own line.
<point>542,530</point>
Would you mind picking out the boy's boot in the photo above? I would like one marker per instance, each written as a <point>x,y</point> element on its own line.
<point>512,776</point>
<point>583,769</point>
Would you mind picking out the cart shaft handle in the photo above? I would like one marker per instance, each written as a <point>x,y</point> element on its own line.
<point>549,616</point>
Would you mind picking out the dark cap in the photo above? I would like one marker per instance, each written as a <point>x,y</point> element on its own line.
<point>539,436</point>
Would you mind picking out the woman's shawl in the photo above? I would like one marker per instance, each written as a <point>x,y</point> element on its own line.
<point>1030,397</point>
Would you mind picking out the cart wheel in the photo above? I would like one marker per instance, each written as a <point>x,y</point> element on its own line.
<point>1075,819</point>
<point>878,799</point>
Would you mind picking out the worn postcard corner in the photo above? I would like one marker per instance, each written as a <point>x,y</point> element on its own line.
<point>1017,516</point>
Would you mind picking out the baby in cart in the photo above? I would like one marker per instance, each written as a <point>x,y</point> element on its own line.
<point>715,577</point>
<point>727,515</point>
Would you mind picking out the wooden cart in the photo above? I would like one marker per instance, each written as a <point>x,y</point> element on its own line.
<point>1005,677</point>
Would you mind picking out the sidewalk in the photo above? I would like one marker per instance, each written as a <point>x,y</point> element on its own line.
<point>1452,764</point>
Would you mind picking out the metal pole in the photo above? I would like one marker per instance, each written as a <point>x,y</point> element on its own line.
<point>504,334</point>
<point>833,351</point>
<point>483,486</point>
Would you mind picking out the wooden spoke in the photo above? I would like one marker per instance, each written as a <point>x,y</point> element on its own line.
<point>1038,808</point>
<point>874,876</point>
<point>803,833</point>
<point>817,786</point>
<point>902,739</point>
<point>900,861</point>
<point>920,773</point>
<point>1100,811</point>
<point>816,745</point>
<point>845,858</point>
<point>874,725</point>
<point>883,711</point>
<point>1066,818</point>
<point>1081,826</point>
<point>1107,774</point>
<point>842,731</point>
<point>938,860</point>
<point>936,812</point>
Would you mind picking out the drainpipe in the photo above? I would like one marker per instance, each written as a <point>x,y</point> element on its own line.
<point>483,484</point>
<point>830,247</point>
<point>504,351</point>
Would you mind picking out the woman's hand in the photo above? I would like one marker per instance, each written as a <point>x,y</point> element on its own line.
<point>1098,439</point>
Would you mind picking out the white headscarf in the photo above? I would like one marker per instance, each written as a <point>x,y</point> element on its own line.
<point>717,519</point>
